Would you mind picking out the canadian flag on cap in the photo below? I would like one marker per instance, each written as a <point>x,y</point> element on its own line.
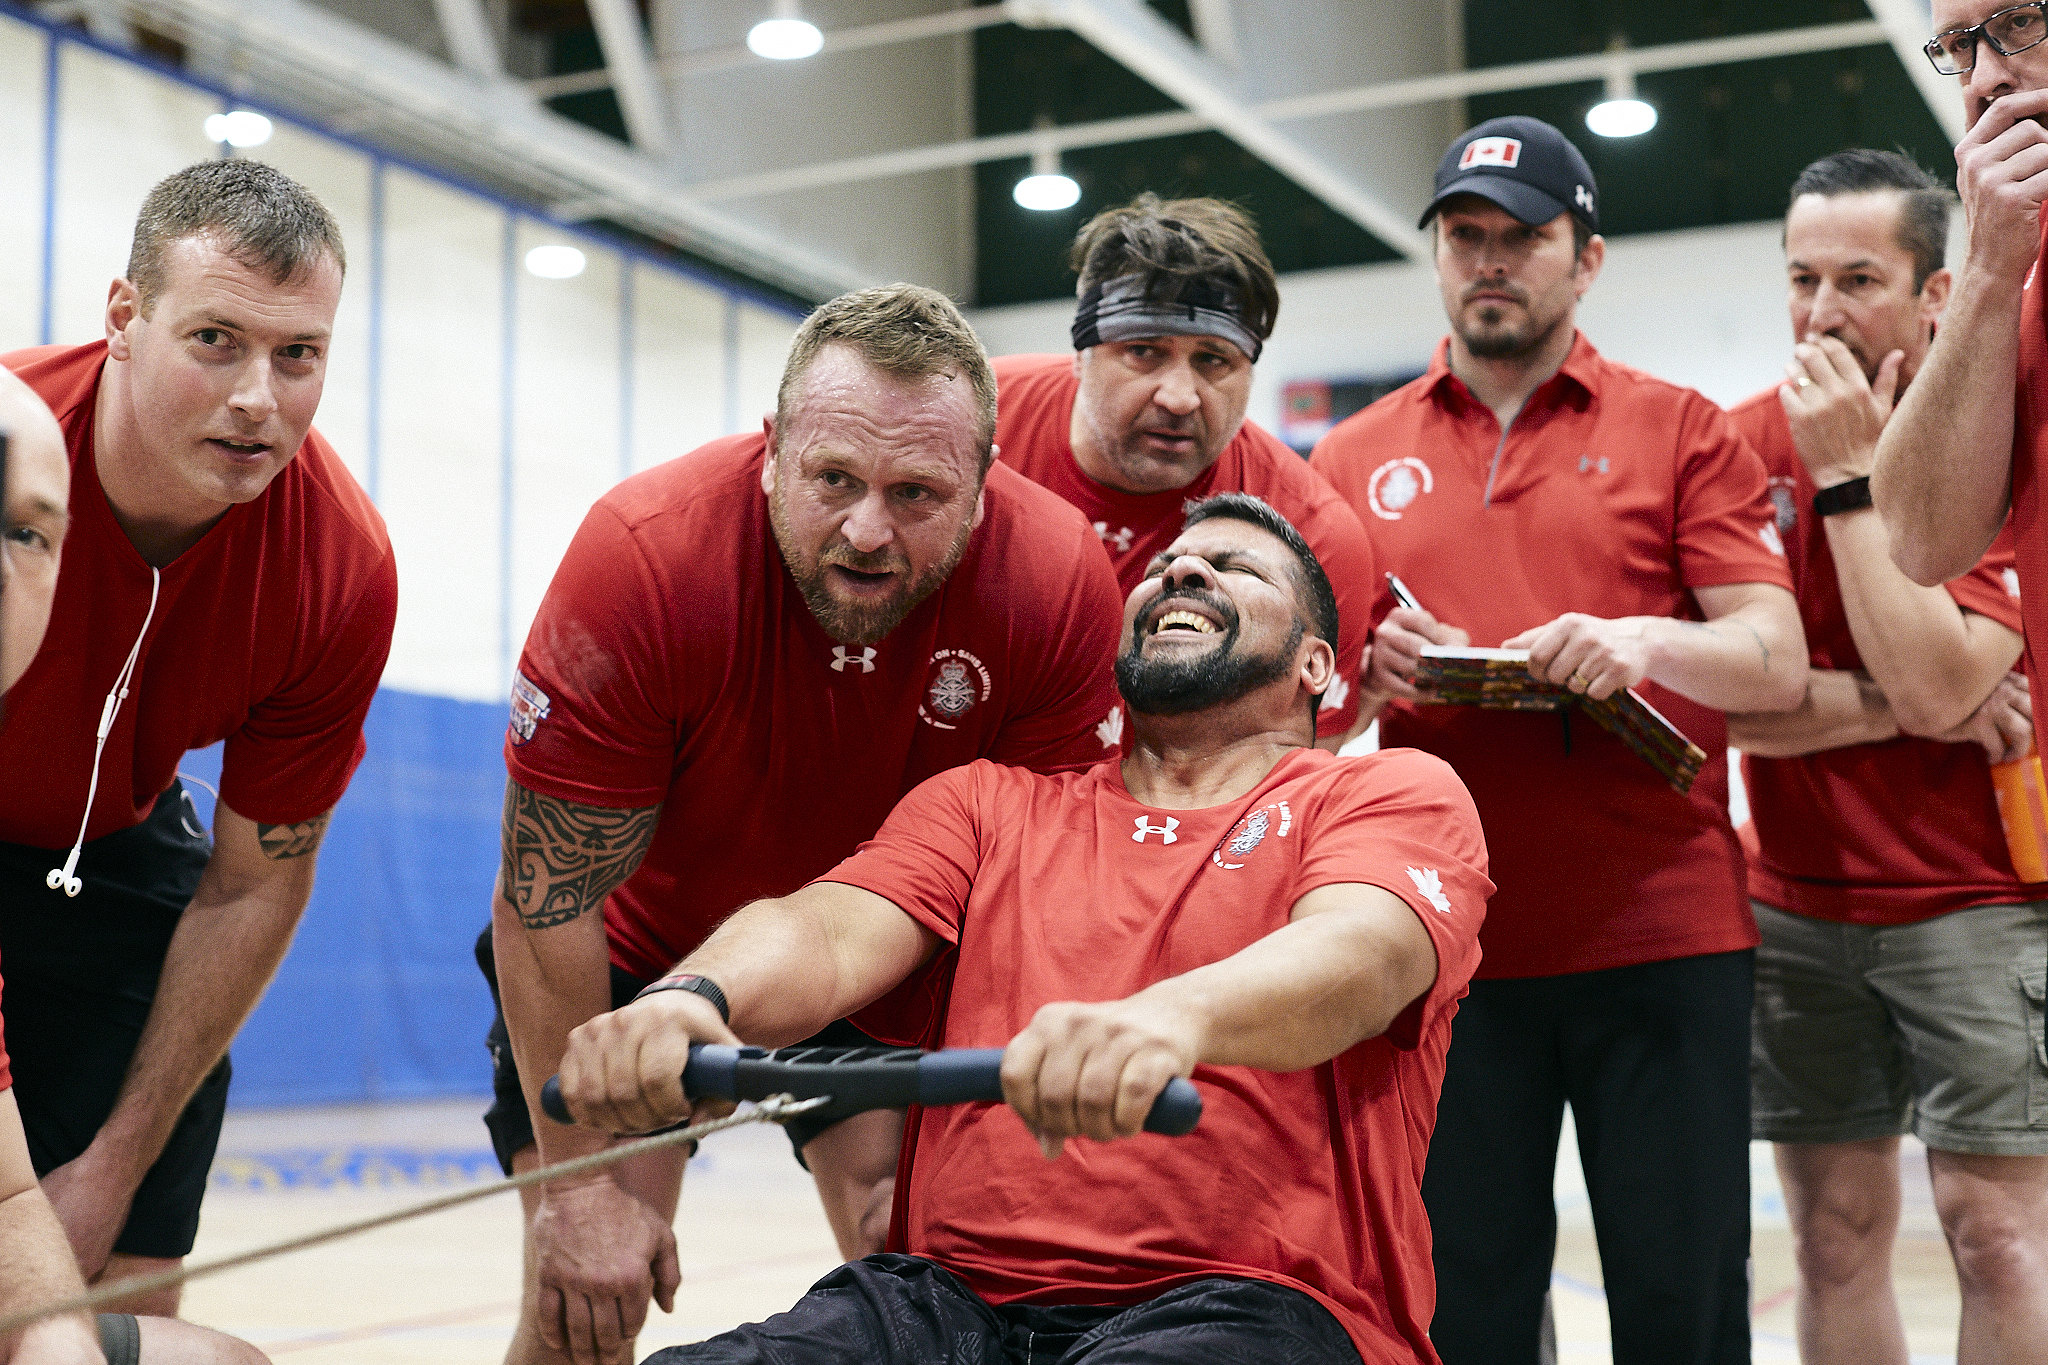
<point>1491,151</point>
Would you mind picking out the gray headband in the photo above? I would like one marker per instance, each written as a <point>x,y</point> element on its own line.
<point>1117,310</point>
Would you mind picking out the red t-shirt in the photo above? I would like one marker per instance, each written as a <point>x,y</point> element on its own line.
<point>1613,494</point>
<point>6,1071</point>
<point>2026,525</point>
<point>674,662</point>
<point>1034,416</point>
<point>271,633</point>
<point>1870,833</point>
<point>1063,888</point>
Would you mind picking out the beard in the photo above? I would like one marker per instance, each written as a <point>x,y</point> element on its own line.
<point>1176,686</point>
<point>858,623</point>
<point>1491,336</point>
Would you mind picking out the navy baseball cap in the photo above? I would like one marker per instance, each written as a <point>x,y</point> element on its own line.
<point>1525,166</point>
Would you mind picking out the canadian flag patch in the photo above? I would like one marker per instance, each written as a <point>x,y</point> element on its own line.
<point>1490,151</point>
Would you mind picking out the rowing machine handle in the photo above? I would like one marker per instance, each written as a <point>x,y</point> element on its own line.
<point>954,1076</point>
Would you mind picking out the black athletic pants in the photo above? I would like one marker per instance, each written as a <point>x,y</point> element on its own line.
<point>1654,1061</point>
<point>904,1310</point>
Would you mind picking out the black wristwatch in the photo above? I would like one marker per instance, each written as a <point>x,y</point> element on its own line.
<point>696,985</point>
<point>1848,496</point>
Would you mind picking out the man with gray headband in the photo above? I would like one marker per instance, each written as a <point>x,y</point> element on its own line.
<point>1177,300</point>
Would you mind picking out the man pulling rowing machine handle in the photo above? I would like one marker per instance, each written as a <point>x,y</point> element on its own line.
<point>1290,928</point>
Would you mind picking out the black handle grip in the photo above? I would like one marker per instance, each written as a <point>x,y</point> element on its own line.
<point>882,1080</point>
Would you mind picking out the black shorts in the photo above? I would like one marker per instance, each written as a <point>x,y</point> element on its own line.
<point>889,1308</point>
<point>511,1125</point>
<point>81,977</point>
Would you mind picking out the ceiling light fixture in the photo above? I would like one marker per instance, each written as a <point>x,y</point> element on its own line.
<point>238,128</point>
<point>555,261</point>
<point>1621,114</point>
<point>788,37</point>
<point>1047,189</point>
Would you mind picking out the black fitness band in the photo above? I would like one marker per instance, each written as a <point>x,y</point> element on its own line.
<point>696,985</point>
<point>1851,495</point>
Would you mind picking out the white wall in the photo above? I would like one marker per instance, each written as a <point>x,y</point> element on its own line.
<point>484,408</point>
<point>1704,308</point>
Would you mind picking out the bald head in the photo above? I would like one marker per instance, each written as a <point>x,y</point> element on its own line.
<point>37,490</point>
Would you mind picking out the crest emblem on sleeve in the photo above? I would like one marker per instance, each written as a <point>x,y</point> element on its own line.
<point>529,708</point>
<point>959,683</point>
<point>1251,831</point>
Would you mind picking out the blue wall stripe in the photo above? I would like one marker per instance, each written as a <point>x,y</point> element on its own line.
<point>507,446</point>
<point>48,304</point>
<point>627,342</point>
<point>373,453</point>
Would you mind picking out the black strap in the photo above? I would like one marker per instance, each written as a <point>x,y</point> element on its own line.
<point>1848,496</point>
<point>696,985</point>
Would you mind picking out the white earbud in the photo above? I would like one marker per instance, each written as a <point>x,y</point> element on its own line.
<point>63,877</point>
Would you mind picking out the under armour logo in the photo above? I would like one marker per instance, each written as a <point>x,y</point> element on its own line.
<point>1121,537</point>
<point>1587,464</point>
<point>1583,197</point>
<point>1165,831</point>
<point>840,659</point>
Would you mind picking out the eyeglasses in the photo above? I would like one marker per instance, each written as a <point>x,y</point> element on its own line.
<point>2010,32</point>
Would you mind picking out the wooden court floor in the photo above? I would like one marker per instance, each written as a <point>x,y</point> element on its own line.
<point>442,1289</point>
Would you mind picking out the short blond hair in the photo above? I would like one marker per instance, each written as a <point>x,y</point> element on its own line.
<point>903,330</point>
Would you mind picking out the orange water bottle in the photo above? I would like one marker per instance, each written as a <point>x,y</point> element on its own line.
<point>2023,810</point>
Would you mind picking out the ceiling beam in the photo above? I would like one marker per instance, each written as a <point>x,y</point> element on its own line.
<point>640,96</point>
<point>1216,30</point>
<point>1134,34</point>
<point>471,45</point>
<point>334,70</point>
<point>1385,95</point>
<point>1908,24</point>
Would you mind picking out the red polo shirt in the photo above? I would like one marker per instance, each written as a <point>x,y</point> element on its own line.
<point>673,663</point>
<point>270,632</point>
<point>1613,494</point>
<point>1870,833</point>
<point>1034,422</point>
<point>2027,525</point>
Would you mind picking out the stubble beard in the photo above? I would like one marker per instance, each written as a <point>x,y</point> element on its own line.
<point>852,623</point>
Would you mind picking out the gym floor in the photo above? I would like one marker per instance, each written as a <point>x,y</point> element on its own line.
<point>441,1290</point>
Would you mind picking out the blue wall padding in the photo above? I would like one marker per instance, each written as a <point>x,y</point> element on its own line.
<point>380,997</point>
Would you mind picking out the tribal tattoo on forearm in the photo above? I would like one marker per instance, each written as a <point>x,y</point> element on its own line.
<point>562,859</point>
<point>279,842</point>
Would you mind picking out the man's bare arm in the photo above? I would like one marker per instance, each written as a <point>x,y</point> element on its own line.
<point>35,1261</point>
<point>559,860</point>
<point>788,967</point>
<point>1841,708</point>
<point>1748,655</point>
<point>225,950</point>
<point>1934,661</point>
<point>1944,462</point>
<point>1350,960</point>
